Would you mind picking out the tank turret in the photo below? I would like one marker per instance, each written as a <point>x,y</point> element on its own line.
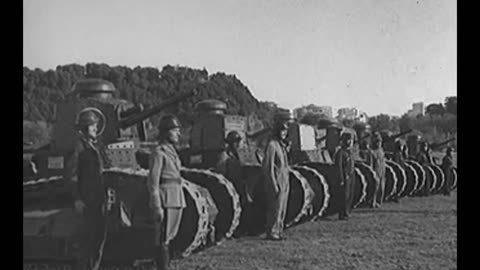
<point>437,146</point>
<point>121,123</point>
<point>96,88</point>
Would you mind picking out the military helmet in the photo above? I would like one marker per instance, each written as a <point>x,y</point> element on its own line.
<point>233,136</point>
<point>363,144</point>
<point>377,136</point>
<point>94,88</point>
<point>281,119</point>
<point>346,136</point>
<point>87,118</point>
<point>168,122</point>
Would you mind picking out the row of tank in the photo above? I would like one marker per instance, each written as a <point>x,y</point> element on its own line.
<point>213,209</point>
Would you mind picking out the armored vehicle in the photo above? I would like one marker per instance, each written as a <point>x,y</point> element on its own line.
<point>50,225</point>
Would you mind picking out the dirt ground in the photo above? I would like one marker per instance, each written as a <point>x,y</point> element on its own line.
<point>417,233</point>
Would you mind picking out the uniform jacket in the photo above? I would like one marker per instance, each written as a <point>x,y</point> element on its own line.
<point>84,170</point>
<point>447,164</point>
<point>164,181</point>
<point>366,155</point>
<point>378,162</point>
<point>424,158</point>
<point>229,165</point>
<point>345,164</point>
<point>399,158</point>
<point>275,166</point>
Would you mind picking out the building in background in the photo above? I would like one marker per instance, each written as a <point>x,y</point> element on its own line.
<point>417,110</point>
<point>324,110</point>
<point>352,114</point>
<point>347,113</point>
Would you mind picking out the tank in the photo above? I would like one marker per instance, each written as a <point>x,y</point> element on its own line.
<point>207,142</point>
<point>49,222</point>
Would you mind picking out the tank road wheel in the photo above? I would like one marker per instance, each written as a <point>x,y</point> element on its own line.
<point>401,178</point>
<point>194,225</point>
<point>390,182</point>
<point>371,179</point>
<point>225,197</point>
<point>320,187</point>
<point>430,178</point>
<point>420,174</point>
<point>440,184</point>
<point>412,181</point>
<point>328,171</point>
<point>131,189</point>
<point>360,192</point>
<point>455,179</point>
<point>299,198</point>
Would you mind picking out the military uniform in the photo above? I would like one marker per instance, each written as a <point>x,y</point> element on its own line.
<point>447,167</point>
<point>277,186</point>
<point>165,189</point>
<point>229,165</point>
<point>424,158</point>
<point>85,171</point>
<point>346,168</point>
<point>378,163</point>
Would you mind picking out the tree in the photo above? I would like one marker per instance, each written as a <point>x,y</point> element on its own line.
<point>435,109</point>
<point>451,105</point>
<point>383,122</point>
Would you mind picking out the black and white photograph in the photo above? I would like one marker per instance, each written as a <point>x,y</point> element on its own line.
<point>240,135</point>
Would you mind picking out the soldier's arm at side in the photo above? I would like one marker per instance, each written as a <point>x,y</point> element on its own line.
<point>221,166</point>
<point>339,164</point>
<point>269,167</point>
<point>155,165</point>
<point>71,174</point>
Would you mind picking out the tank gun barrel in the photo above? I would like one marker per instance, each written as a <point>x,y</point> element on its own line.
<point>391,138</point>
<point>364,137</point>
<point>138,117</point>
<point>438,145</point>
<point>261,132</point>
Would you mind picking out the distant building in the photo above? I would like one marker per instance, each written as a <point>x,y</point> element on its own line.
<point>348,113</point>
<point>352,114</point>
<point>417,110</point>
<point>300,112</point>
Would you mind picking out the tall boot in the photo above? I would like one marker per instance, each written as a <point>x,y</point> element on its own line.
<point>163,257</point>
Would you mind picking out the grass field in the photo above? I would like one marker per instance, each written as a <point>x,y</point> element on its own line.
<point>417,233</point>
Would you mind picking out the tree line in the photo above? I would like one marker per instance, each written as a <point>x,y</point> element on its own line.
<point>146,85</point>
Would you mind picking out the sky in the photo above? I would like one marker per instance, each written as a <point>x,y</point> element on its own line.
<point>379,56</point>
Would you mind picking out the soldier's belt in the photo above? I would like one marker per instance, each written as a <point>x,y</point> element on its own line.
<point>164,181</point>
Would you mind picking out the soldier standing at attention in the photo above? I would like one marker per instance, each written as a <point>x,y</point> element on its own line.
<point>276,181</point>
<point>229,165</point>
<point>345,163</point>
<point>378,163</point>
<point>365,152</point>
<point>165,188</point>
<point>447,166</point>
<point>424,158</point>
<point>399,156</point>
<point>85,171</point>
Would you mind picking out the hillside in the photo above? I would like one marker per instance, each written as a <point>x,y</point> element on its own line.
<point>146,85</point>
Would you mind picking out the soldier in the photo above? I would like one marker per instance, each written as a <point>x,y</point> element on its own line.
<point>365,152</point>
<point>84,170</point>
<point>399,157</point>
<point>345,163</point>
<point>378,164</point>
<point>425,159</point>
<point>398,153</point>
<point>229,165</point>
<point>447,166</point>
<point>165,188</point>
<point>276,182</point>
<point>229,162</point>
